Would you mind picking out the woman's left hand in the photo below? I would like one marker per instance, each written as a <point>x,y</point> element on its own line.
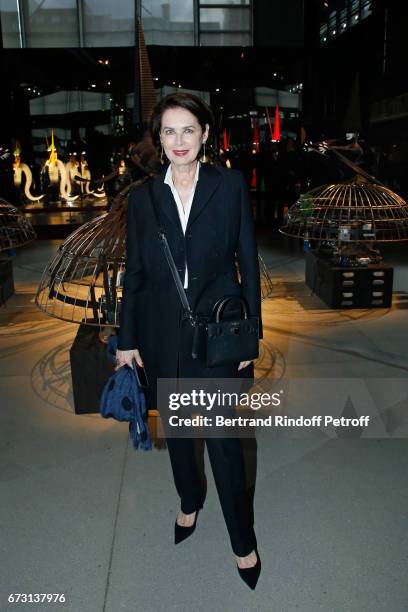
<point>243,364</point>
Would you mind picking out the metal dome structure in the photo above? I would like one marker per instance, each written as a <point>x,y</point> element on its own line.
<point>15,229</point>
<point>362,210</point>
<point>83,282</point>
<point>371,211</point>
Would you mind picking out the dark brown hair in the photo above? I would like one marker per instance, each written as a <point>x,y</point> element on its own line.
<point>201,111</point>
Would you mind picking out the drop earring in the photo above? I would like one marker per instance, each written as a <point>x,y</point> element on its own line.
<point>161,155</point>
<point>203,158</point>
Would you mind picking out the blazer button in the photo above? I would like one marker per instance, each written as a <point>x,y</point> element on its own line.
<point>189,235</point>
<point>194,278</point>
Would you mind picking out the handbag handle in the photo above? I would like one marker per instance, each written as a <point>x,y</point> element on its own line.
<point>220,305</point>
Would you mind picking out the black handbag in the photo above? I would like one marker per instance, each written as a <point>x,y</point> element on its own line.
<point>218,342</point>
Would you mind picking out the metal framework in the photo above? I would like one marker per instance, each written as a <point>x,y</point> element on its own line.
<point>83,282</point>
<point>365,205</point>
<point>320,213</point>
<point>15,229</point>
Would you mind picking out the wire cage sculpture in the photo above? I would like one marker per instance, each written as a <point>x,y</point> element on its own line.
<point>15,229</point>
<point>373,211</point>
<point>266,280</point>
<point>83,282</point>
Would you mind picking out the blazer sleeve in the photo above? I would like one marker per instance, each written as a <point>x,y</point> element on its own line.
<point>132,280</point>
<point>247,253</point>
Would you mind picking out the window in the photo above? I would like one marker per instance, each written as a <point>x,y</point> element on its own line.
<point>333,24</point>
<point>225,39</point>
<point>239,2</point>
<point>223,19</point>
<point>50,23</point>
<point>354,12</point>
<point>323,33</point>
<point>225,23</point>
<point>343,20</point>
<point>62,102</point>
<point>366,9</point>
<point>350,13</point>
<point>9,23</point>
<point>105,23</point>
<point>168,23</point>
<point>109,25</point>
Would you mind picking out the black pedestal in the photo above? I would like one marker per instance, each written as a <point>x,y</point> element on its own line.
<point>90,369</point>
<point>6,280</point>
<point>349,287</point>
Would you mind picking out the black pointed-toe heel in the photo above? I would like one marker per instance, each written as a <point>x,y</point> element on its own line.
<point>181,533</point>
<point>250,575</point>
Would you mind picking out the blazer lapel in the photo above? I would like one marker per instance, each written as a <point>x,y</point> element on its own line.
<point>208,180</point>
<point>164,199</point>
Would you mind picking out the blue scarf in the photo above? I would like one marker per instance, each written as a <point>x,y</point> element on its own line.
<point>122,399</point>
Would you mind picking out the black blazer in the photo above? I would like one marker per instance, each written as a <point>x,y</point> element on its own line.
<point>220,224</point>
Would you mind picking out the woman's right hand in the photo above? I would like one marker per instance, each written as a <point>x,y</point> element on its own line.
<point>125,357</point>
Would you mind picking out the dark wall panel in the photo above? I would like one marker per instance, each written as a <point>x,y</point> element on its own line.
<point>278,23</point>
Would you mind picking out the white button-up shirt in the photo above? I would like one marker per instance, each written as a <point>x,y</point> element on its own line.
<point>183,212</point>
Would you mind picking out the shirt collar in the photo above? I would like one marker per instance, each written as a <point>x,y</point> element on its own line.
<point>169,178</point>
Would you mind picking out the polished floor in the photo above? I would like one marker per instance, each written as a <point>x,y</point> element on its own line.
<point>84,514</point>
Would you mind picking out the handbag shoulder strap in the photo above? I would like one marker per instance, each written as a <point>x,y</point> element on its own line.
<point>169,257</point>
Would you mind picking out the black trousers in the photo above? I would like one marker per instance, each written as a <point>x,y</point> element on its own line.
<point>227,464</point>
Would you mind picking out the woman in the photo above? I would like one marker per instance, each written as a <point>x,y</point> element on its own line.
<point>206,214</point>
